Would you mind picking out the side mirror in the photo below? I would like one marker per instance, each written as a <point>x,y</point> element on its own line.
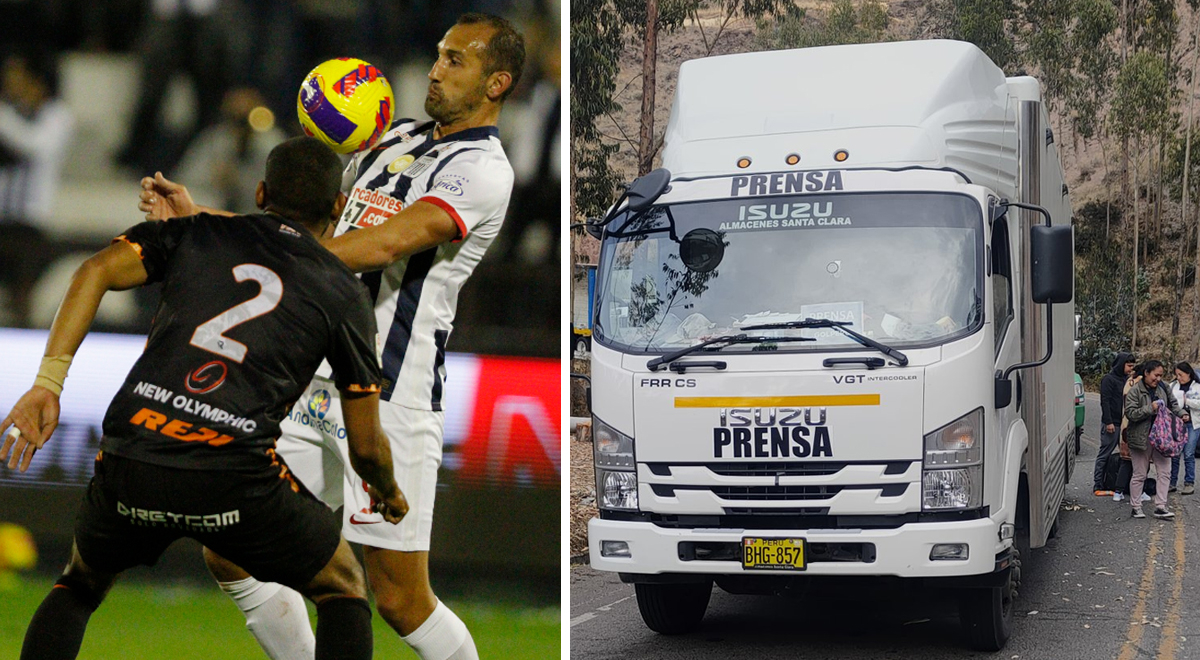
<point>593,227</point>
<point>1052,252</point>
<point>1003,391</point>
<point>640,194</point>
<point>647,188</point>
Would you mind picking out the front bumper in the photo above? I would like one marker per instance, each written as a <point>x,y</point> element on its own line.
<point>902,551</point>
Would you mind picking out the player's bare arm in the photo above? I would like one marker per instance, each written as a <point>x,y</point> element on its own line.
<point>35,415</point>
<point>371,454</point>
<point>414,229</point>
<point>162,199</point>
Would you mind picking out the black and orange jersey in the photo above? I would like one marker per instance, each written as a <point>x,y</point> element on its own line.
<point>250,306</point>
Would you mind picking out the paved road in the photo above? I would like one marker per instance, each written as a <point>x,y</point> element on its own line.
<point>1107,587</point>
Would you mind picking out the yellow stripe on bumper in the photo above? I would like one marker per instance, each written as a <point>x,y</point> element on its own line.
<point>776,401</point>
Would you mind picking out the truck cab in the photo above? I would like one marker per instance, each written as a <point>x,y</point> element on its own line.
<point>829,338</point>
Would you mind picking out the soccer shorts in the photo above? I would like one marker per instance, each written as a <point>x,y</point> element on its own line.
<point>263,521</point>
<point>313,442</point>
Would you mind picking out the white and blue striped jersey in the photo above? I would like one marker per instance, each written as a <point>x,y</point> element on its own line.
<point>467,175</point>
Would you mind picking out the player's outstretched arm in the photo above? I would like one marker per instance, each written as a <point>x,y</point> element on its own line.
<point>416,228</point>
<point>162,199</point>
<point>35,415</point>
<point>371,454</point>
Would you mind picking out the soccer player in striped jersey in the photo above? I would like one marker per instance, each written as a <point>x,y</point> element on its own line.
<point>424,205</point>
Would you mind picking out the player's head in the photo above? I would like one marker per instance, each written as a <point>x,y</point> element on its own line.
<point>28,77</point>
<point>479,62</point>
<point>303,182</point>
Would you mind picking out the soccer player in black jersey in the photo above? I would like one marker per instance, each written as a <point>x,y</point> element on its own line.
<point>250,307</point>
<point>426,202</point>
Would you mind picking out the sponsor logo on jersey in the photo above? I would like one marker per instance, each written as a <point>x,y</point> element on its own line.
<point>421,165</point>
<point>309,418</point>
<point>451,184</point>
<point>209,523</point>
<point>284,229</point>
<point>178,429</point>
<point>190,406</point>
<point>367,208</point>
<point>207,377</point>
<point>400,164</point>
<point>318,404</point>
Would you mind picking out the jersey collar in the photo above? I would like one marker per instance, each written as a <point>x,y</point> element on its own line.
<point>469,134</point>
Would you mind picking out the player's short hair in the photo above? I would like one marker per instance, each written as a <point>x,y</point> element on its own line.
<point>303,179</point>
<point>505,50</point>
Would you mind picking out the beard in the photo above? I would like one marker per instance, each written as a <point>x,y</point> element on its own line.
<point>445,110</point>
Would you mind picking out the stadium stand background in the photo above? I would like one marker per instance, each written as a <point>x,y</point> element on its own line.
<point>238,55</point>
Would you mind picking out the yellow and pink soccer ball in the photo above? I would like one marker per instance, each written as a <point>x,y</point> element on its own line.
<point>345,103</point>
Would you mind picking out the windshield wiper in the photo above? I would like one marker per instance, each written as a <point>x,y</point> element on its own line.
<point>900,358</point>
<point>728,340</point>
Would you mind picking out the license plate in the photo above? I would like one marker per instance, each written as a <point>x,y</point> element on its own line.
<point>773,554</point>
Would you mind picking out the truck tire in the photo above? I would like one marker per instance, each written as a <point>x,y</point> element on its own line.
<point>986,614</point>
<point>672,609</point>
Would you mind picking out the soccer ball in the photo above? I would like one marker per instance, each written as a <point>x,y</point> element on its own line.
<point>345,103</point>
<point>17,550</point>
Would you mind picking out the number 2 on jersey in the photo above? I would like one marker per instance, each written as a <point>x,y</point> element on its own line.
<point>210,335</point>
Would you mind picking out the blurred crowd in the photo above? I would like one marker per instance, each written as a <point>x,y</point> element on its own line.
<point>214,86</point>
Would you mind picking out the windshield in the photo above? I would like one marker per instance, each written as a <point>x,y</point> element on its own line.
<point>902,268</point>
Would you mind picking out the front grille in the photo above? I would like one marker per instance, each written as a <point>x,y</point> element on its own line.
<point>779,493</point>
<point>778,468</point>
<point>791,469</point>
<point>775,492</point>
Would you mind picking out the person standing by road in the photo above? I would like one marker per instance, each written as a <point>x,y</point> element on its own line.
<point>1141,406</point>
<point>1187,392</point>
<point>1112,403</point>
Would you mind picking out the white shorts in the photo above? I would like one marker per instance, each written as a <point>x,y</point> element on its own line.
<point>313,444</point>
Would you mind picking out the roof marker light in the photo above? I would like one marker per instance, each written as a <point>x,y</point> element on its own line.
<point>792,159</point>
<point>743,162</point>
<point>841,155</point>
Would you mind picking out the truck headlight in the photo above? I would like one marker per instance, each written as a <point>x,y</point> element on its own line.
<point>952,475</point>
<point>959,488</point>
<point>616,479</point>
<point>616,490</point>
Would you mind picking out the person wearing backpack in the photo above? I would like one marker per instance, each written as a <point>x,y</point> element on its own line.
<point>1142,404</point>
<point>1187,392</point>
<point>1112,403</point>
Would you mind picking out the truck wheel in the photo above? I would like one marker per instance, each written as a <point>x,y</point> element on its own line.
<point>672,609</point>
<point>986,614</point>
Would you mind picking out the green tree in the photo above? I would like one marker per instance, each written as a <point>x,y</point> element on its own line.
<point>1141,108</point>
<point>845,23</point>
<point>596,39</point>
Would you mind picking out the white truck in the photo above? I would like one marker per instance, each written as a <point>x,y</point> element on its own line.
<point>832,336</point>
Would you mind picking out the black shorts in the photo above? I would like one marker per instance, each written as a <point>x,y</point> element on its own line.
<point>269,525</point>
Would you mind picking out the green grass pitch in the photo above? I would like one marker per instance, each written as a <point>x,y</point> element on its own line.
<point>144,620</point>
